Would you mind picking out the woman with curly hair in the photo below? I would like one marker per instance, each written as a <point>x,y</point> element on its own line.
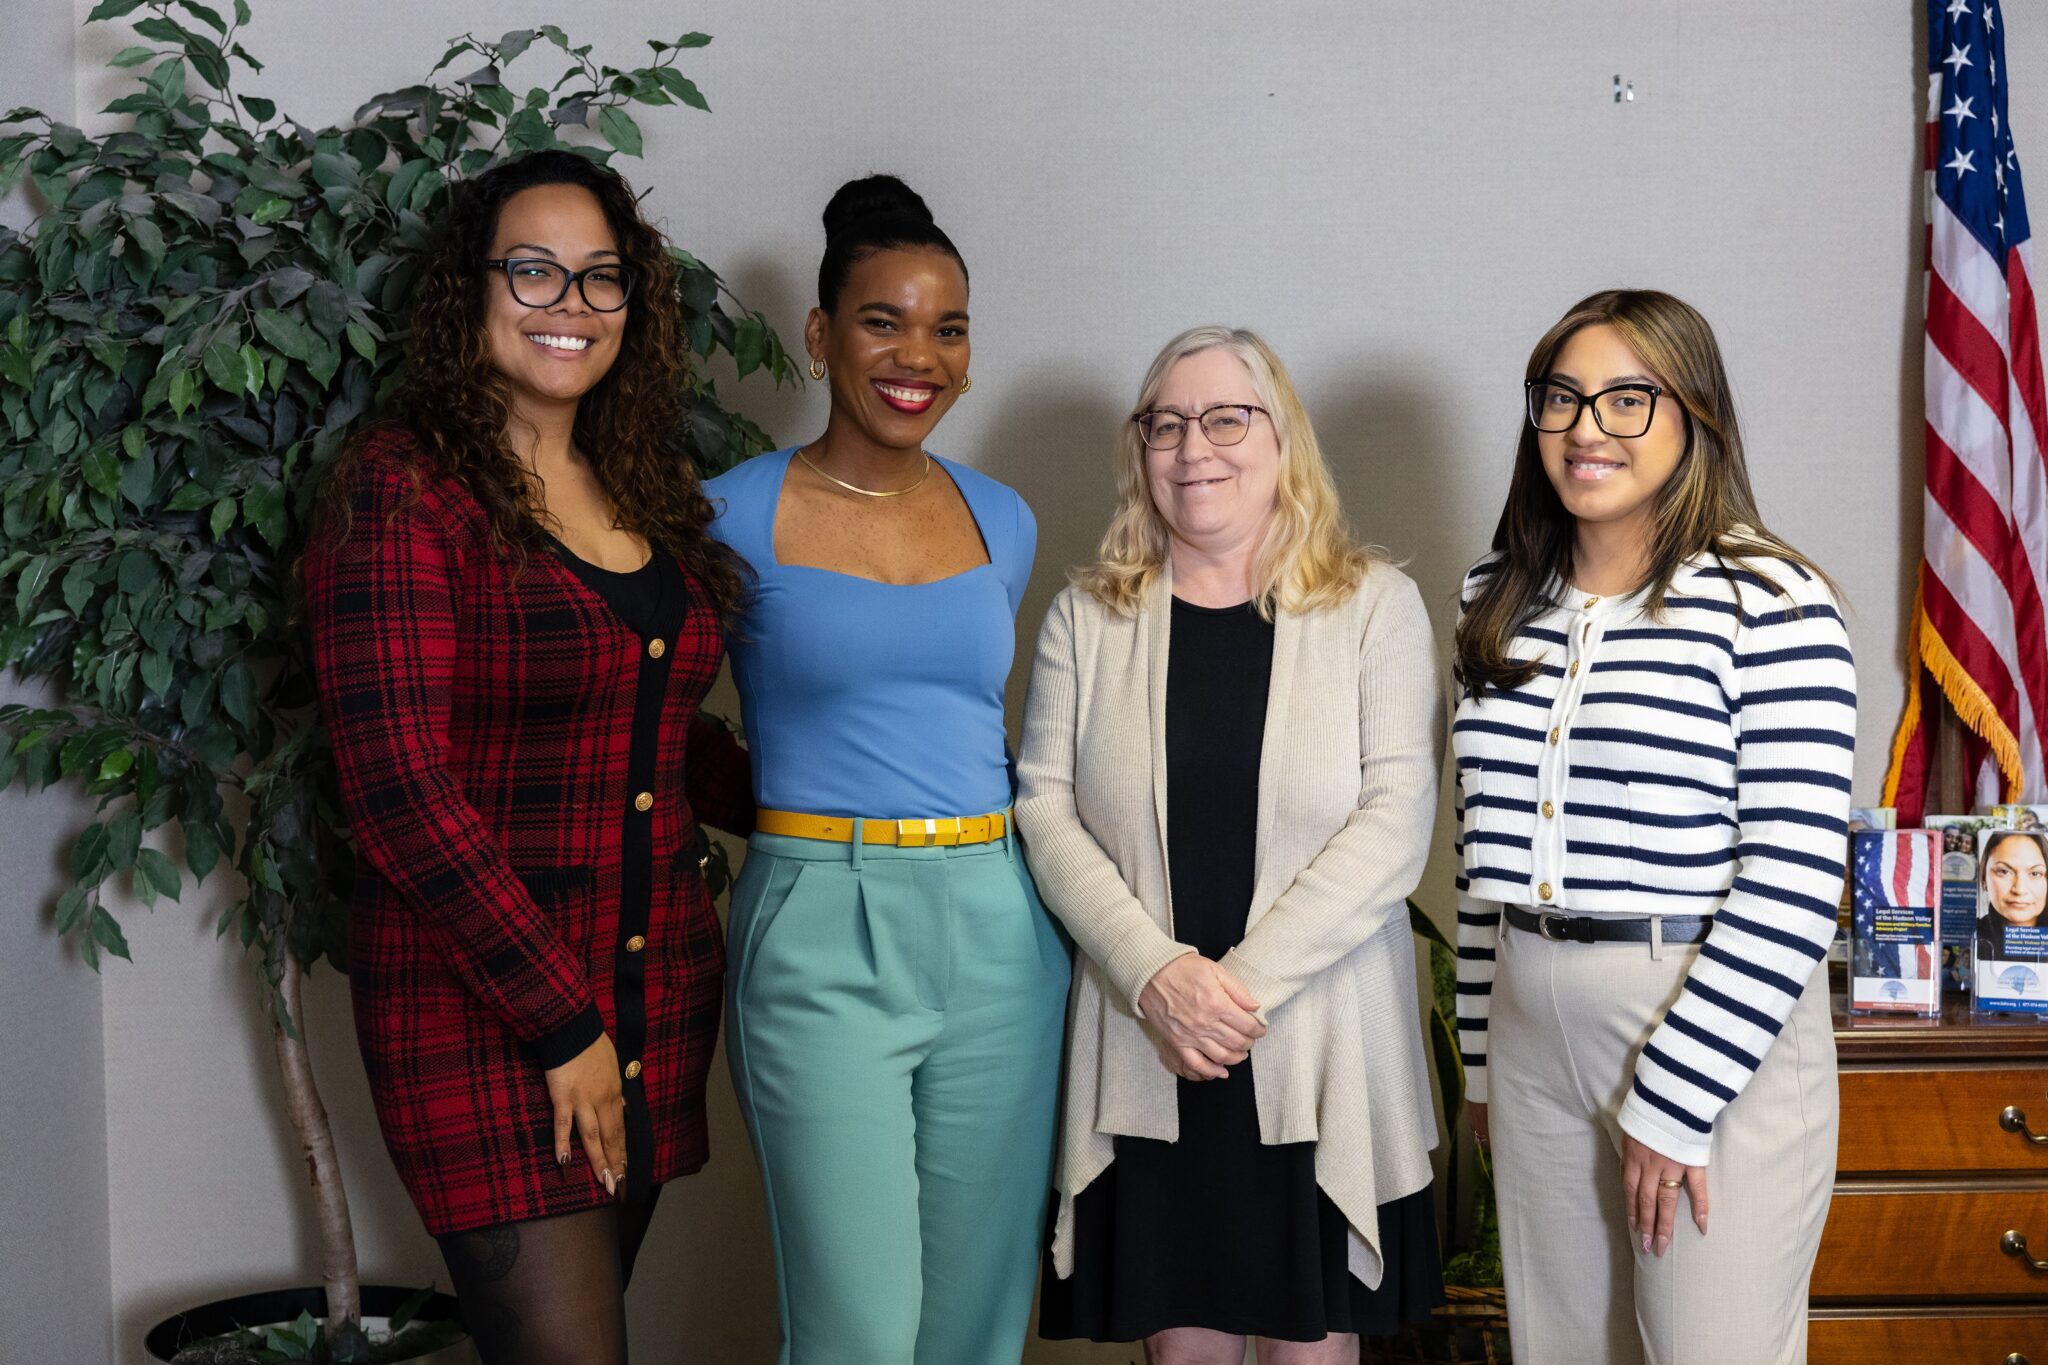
<point>516,610</point>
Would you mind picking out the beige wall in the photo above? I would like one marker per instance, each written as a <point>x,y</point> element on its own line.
<point>1402,197</point>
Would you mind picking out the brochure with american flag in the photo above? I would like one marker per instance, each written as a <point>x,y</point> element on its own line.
<point>1895,899</point>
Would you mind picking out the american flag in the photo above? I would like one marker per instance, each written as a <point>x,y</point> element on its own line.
<point>1979,623</point>
<point>1897,870</point>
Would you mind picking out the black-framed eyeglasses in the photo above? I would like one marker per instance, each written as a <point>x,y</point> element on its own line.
<point>1624,410</point>
<point>540,283</point>
<point>1224,425</point>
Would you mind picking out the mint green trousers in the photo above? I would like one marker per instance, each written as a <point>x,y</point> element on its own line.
<point>894,1034</point>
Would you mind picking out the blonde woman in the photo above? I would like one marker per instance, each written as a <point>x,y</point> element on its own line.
<point>1226,788</point>
<point>1654,740</point>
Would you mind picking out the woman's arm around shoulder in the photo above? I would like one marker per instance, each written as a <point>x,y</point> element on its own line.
<point>1080,882</point>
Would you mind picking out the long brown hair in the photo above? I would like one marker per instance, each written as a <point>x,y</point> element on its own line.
<point>456,405</point>
<point>1706,507</point>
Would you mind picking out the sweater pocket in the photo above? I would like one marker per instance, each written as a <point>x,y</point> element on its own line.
<point>1472,829</point>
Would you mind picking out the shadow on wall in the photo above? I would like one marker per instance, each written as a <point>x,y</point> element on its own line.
<point>1054,441</point>
<point>1385,436</point>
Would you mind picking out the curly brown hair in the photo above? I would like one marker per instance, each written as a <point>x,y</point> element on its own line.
<point>631,427</point>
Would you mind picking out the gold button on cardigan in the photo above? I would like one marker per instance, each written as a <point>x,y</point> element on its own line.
<point>1347,797</point>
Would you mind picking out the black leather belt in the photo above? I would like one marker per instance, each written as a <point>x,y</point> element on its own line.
<point>1591,929</point>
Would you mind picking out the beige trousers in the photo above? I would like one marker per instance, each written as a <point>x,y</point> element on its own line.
<point>1567,1022</point>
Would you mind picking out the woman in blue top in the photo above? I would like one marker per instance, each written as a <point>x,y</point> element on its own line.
<point>897,989</point>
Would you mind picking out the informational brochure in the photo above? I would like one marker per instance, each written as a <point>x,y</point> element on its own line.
<point>1959,889</point>
<point>2009,973</point>
<point>1895,901</point>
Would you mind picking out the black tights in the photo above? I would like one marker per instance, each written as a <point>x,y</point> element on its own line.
<point>550,1291</point>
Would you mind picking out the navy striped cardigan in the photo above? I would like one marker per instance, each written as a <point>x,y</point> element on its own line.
<point>1692,764</point>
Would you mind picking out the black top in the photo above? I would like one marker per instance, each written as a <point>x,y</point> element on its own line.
<point>634,595</point>
<point>1218,1229</point>
<point>1218,663</point>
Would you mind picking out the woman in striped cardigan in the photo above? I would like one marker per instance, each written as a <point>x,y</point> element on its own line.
<point>1654,740</point>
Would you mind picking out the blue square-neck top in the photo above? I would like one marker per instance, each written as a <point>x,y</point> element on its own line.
<point>864,698</point>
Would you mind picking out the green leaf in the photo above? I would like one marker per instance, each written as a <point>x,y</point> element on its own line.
<point>252,370</point>
<point>116,764</point>
<point>149,237</point>
<point>184,391</point>
<point>35,576</point>
<point>190,497</point>
<point>238,694</point>
<point>211,18</point>
<point>102,470</point>
<point>112,9</point>
<point>202,848</point>
<point>223,517</point>
<point>263,508</point>
<point>131,56</point>
<point>750,344</point>
<point>138,480</point>
<point>79,588</point>
<point>398,194</point>
<point>260,109</point>
<point>618,128</point>
<point>107,933</point>
<point>514,43</point>
<point>158,873</point>
<point>70,909</point>
<point>692,40</point>
<point>223,361</point>
<point>365,345</point>
<point>167,82</point>
<point>89,856</point>
<point>682,87</point>
<point>272,210</point>
<point>137,573</point>
<point>156,674</point>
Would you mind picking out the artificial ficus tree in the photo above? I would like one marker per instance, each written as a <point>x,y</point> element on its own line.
<point>209,301</point>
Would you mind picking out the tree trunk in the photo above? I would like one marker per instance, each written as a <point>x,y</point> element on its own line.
<point>316,1142</point>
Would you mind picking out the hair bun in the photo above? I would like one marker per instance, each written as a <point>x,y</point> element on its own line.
<point>874,197</point>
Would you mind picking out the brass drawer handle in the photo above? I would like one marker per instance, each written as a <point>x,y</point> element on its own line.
<point>2015,1359</point>
<point>2014,1245</point>
<point>2013,1119</point>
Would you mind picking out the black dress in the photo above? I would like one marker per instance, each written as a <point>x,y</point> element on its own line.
<point>1217,1230</point>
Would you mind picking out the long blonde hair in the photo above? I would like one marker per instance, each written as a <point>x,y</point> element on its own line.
<point>1307,558</point>
<point>1706,506</point>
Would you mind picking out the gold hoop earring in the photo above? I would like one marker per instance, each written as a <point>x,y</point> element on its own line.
<point>966,382</point>
<point>817,369</point>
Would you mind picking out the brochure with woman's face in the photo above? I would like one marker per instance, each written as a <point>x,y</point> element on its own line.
<point>2010,972</point>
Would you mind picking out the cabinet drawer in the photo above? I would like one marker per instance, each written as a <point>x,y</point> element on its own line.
<point>1965,1338</point>
<point>1941,1121</point>
<point>1900,1244</point>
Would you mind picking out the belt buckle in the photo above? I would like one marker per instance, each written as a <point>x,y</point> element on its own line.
<point>1546,918</point>
<point>913,833</point>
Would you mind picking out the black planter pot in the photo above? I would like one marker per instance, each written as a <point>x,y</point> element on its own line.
<point>281,1307</point>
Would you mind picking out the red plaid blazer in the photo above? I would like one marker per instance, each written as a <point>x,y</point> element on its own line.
<point>488,729</point>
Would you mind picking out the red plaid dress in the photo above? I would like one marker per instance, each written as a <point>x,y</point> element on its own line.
<point>524,774</point>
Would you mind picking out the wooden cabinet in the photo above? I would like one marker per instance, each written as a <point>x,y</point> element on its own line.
<point>1936,1168</point>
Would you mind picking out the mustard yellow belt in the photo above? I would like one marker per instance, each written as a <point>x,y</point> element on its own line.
<point>838,829</point>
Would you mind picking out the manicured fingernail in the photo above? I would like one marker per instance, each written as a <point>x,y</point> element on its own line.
<point>1663,1243</point>
<point>610,1185</point>
<point>1646,1241</point>
<point>562,1157</point>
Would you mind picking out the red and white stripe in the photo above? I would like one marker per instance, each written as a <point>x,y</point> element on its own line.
<point>1984,582</point>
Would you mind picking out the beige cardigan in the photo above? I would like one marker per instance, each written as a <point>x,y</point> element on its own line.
<point>1347,797</point>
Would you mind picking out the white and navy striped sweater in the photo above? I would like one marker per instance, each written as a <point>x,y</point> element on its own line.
<point>1696,764</point>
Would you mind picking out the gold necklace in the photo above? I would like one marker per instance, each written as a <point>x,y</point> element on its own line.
<point>868,492</point>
